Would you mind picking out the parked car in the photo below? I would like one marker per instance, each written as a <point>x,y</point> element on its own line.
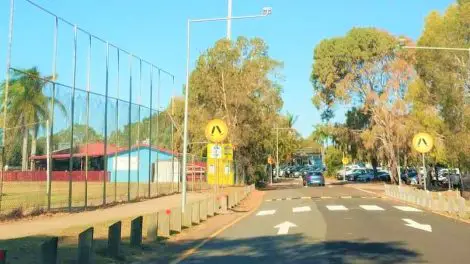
<point>355,173</point>
<point>383,176</point>
<point>366,177</point>
<point>314,178</point>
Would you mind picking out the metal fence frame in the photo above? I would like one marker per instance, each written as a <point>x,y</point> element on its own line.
<point>50,126</point>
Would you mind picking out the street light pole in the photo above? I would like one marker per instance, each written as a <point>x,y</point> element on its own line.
<point>229,20</point>
<point>266,12</point>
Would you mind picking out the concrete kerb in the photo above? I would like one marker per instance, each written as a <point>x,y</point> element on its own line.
<point>176,219</point>
<point>453,204</point>
<point>187,216</point>
<point>195,219</point>
<point>163,229</point>
<point>210,206</point>
<point>203,210</point>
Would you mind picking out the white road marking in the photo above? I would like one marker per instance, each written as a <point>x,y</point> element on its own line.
<point>305,197</point>
<point>284,227</point>
<point>288,199</point>
<point>371,207</point>
<point>407,209</point>
<point>269,200</point>
<point>329,186</point>
<point>336,208</point>
<point>266,212</point>
<point>414,224</point>
<point>326,197</point>
<point>346,197</point>
<point>301,209</point>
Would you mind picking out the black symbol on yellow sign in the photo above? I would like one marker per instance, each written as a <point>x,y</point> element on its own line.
<point>422,140</point>
<point>218,129</point>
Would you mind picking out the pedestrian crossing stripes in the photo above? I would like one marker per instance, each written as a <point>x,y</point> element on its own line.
<point>340,207</point>
<point>322,197</point>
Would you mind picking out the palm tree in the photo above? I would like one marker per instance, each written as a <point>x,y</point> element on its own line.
<point>28,107</point>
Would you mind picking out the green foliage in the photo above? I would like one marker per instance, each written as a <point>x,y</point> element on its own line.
<point>236,81</point>
<point>333,160</point>
<point>441,97</point>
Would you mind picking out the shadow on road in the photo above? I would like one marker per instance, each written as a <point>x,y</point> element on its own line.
<point>266,249</point>
<point>297,249</point>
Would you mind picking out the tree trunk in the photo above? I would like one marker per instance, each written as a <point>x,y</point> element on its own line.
<point>24,153</point>
<point>393,167</point>
<point>33,147</point>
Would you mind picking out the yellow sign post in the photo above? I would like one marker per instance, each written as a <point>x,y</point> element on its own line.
<point>423,143</point>
<point>220,164</point>
<point>216,131</point>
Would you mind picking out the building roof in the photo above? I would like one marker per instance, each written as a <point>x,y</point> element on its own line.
<point>97,150</point>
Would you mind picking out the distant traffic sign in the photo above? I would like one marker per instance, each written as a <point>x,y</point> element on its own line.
<point>345,161</point>
<point>214,151</point>
<point>270,160</point>
<point>423,142</point>
<point>216,131</point>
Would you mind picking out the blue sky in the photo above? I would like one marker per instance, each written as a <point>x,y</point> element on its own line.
<point>156,31</point>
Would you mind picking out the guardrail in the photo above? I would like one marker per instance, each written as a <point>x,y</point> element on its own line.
<point>157,225</point>
<point>451,202</point>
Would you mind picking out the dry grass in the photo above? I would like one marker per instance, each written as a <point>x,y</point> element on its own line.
<point>32,196</point>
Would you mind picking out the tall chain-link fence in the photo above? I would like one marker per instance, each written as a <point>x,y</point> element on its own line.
<point>83,124</point>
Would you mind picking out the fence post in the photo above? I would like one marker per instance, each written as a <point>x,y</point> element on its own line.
<point>114,239</point>
<point>136,231</point>
<point>49,251</point>
<point>85,246</point>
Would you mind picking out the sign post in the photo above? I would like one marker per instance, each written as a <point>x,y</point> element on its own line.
<point>270,162</point>
<point>216,132</point>
<point>423,143</point>
<point>345,162</point>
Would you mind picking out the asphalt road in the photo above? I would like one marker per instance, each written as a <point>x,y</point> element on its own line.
<point>337,224</point>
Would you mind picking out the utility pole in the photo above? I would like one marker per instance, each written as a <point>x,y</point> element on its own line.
<point>229,20</point>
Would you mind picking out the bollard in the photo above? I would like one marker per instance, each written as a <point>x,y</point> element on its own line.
<point>114,239</point>
<point>3,256</point>
<point>49,251</point>
<point>85,246</point>
<point>223,204</point>
<point>210,206</point>
<point>196,214</point>
<point>441,202</point>
<point>461,205</point>
<point>164,223</point>
<point>203,210</point>
<point>175,220</point>
<point>152,227</point>
<point>187,217</point>
<point>136,231</point>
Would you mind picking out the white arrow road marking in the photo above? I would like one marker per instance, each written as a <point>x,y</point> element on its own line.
<point>417,225</point>
<point>336,208</point>
<point>284,227</point>
<point>301,209</point>
<point>266,212</point>
<point>407,209</point>
<point>371,207</point>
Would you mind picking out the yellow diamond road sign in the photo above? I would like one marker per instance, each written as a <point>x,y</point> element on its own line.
<point>216,131</point>
<point>345,160</point>
<point>423,142</point>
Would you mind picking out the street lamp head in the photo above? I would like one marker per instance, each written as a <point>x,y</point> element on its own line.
<point>267,11</point>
